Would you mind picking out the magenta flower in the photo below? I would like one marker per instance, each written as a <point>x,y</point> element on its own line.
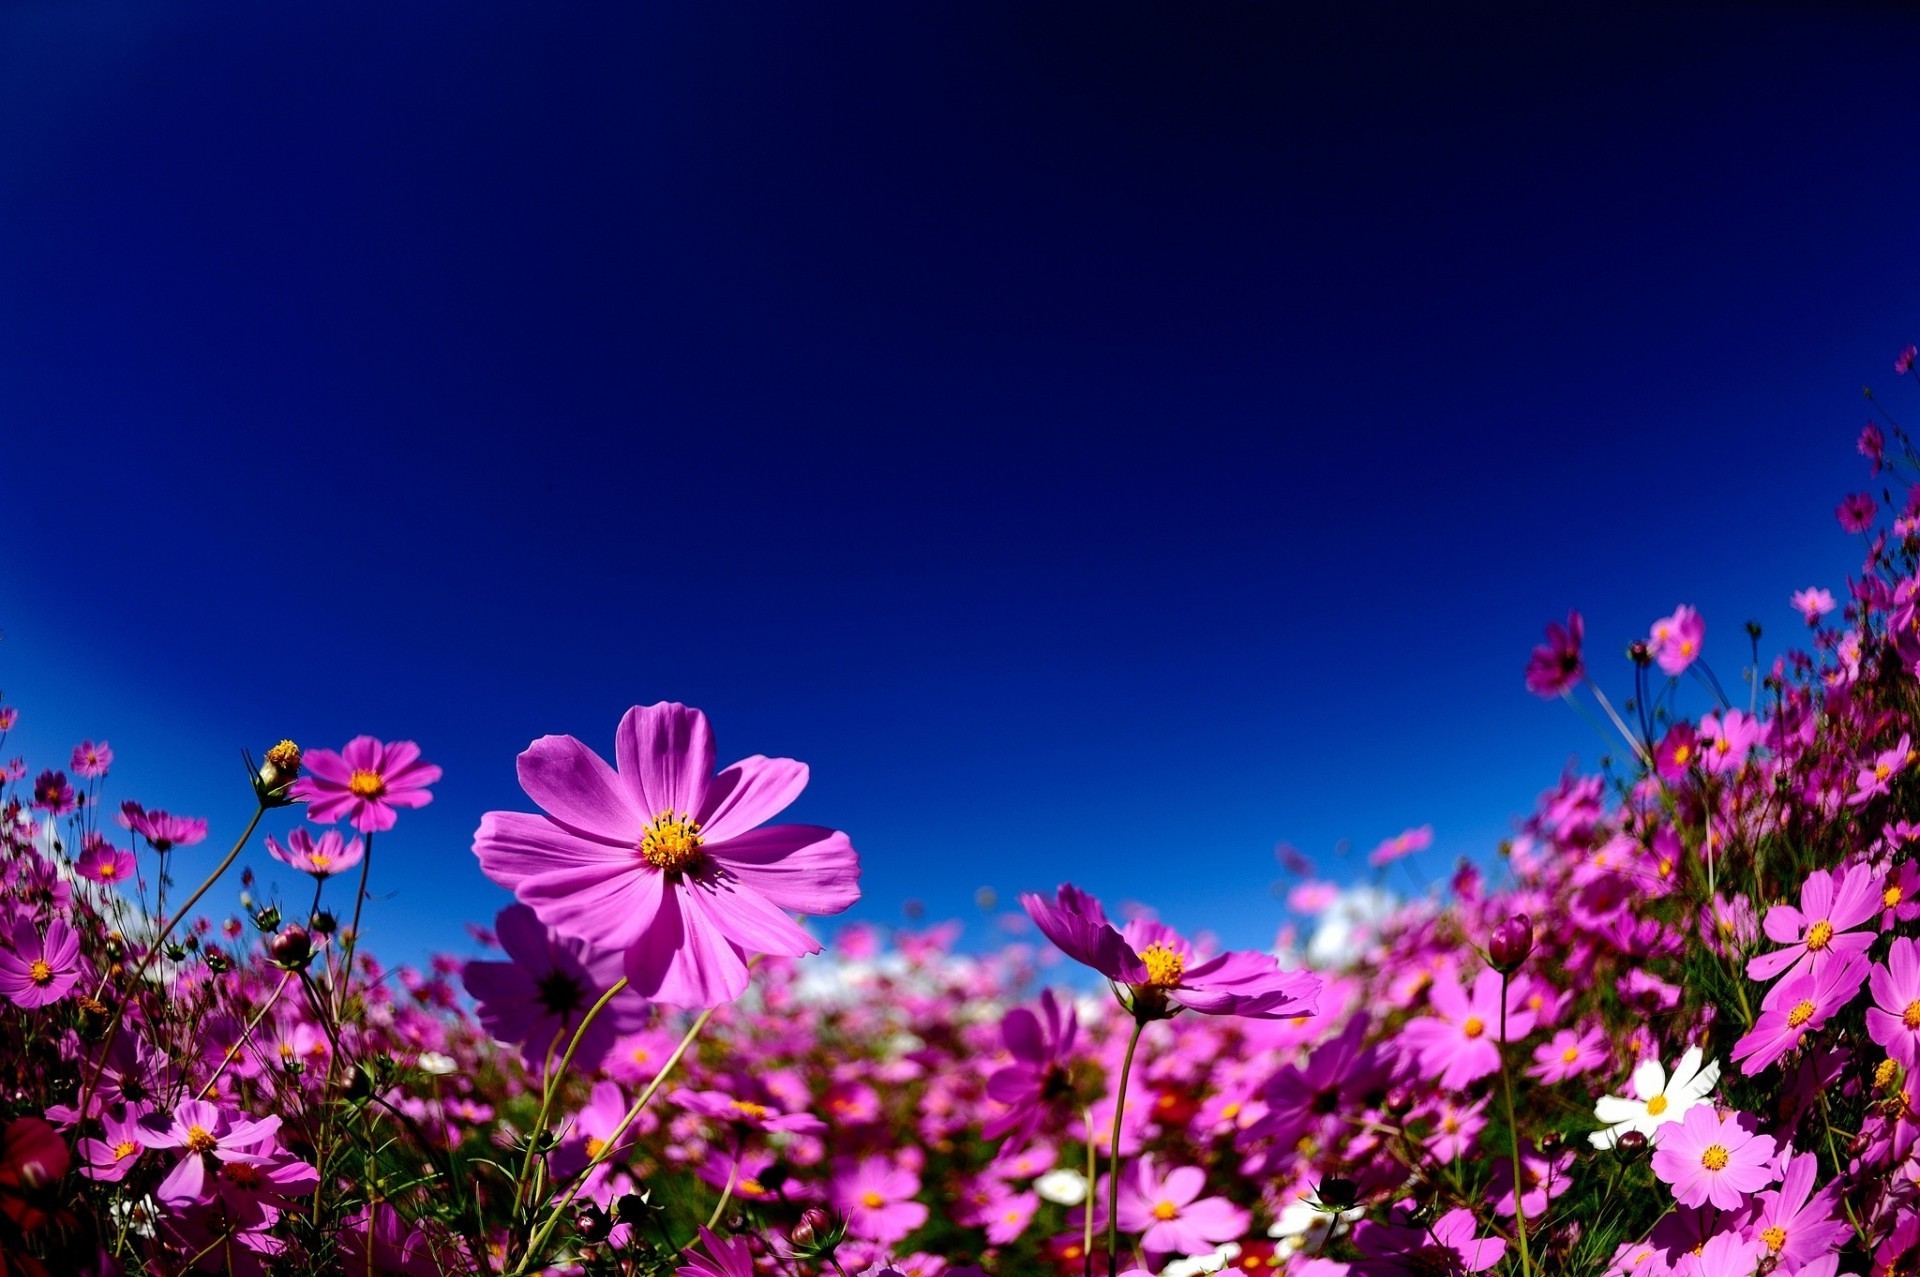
<point>1545,1178</point>
<point>718,1106</point>
<point>117,1151</point>
<point>1796,1223</point>
<point>1729,1254</point>
<point>1873,781</point>
<point>541,994</point>
<point>364,782</point>
<point>1856,513</point>
<point>91,760</point>
<point>1448,1245</point>
<point>52,794</point>
<point>1401,844</point>
<point>8,717</point>
<point>1832,906</point>
<point>728,1257</point>
<point>1894,1019</point>
<point>323,858</point>
<point>1797,1006</point>
<point>663,860</point>
<point>1557,666</point>
<point>162,831</point>
<point>1675,641</point>
<point>1168,1213</point>
<point>1709,1156</point>
<point>203,1132</point>
<point>1162,969</point>
<point>1042,1050</point>
<point>1813,604</point>
<point>102,862</point>
<point>1459,1042</point>
<point>1727,741</point>
<point>876,1196</point>
<point>1569,1055</point>
<point>36,972</point>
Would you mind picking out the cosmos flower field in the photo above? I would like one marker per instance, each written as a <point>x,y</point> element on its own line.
<point>1670,1027</point>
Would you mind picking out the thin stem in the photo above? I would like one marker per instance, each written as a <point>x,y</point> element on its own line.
<point>613,1142</point>
<point>551,1084</point>
<point>733,1173</point>
<point>1513,1136</point>
<point>246,1035</point>
<point>1113,1157</point>
<point>1087,1244</point>
<point>353,934</point>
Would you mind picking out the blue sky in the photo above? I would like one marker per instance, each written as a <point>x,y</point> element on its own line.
<point>1103,443</point>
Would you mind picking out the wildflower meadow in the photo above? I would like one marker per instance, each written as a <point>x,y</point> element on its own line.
<point>1671,1026</point>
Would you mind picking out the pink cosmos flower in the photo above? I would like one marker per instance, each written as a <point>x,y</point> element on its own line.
<point>1709,1156</point>
<point>117,1151</point>
<point>36,972</point>
<point>1727,1254</point>
<point>331,854</point>
<point>102,862</point>
<point>1903,363</point>
<point>1678,750</point>
<point>876,1196</point>
<point>1556,665</point>
<point>1797,1006</point>
<point>1545,1179</point>
<point>1894,1019</point>
<point>1727,741</point>
<point>1569,1055</point>
<point>1401,844</point>
<point>1813,604</point>
<point>1874,781</point>
<point>162,831</point>
<point>1856,513</point>
<point>364,782</point>
<point>725,1257</point>
<point>8,717</point>
<point>1675,641</point>
<point>1448,1245</point>
<point>540,995</point>
<point>1042,1050</point>
<point>1162,968</point>
<point>1458,1043</point>
<point>1168,1213</point>
<point>91,760</point>
<point>52,794</point>
<point>718,1106</point>
<point>201,1130</point>
<point>663,860</point>
<point>1796,1223</point>
<point>1832,906</point>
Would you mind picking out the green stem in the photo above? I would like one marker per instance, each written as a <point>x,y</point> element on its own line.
<point>1513,1137</point>
<point>550,1085</point>
<point>726,1194</point>
<point>353,934</point>
<point>1113,1157</point>
<point>1086,1268</point>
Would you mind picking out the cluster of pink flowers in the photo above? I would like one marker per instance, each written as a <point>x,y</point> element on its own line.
<point>1674,1034</point>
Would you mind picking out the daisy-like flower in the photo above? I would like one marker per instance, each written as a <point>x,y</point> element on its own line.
<point>1447,1245</point>
<point>1813,603</point>
<point>1796,1223</point>
<point>1168,1213</point>
<point>1728,1254</point>
<point>718,1106</point>
<point>202,1131</point>
<point>1894,1019</point>
<point>162,830</point>
<point>1162,970</point>
<point>1401,844</point>
<point>1875,779</point>
<point>102,862</point>
<point>323,857</point>
<point>1042,1050</point>
<point>662,860</point>
<point>876,1196</point>
<point>1710,1156</point>
<point>1796,1006</point>
<point>1460,1042</point>
<point>1656,1098</point>
<point>1832,907</point>
<point>37,971</point>
<point>109,1158</point>
<point>725,1257</point>
<point>52,794</point>
<point>91,760</point>
<point>364,782</point>
<point>1727,741</point>
<point>1675,641</point>
<point>542,993</point>
<point>1569,1054</point>
<point>1556,665</point>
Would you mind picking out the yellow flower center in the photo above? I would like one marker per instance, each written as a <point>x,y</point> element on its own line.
<point>245,1174</point>
<point>595,1146</point>
<point>1474,1026</point>
<point>671,843</point>
<point>320,860</point>
<point>1715,1158</point>
<point>40,971</point>
<point>1656,1106</point>
<point>1881,771</point>
<point>1666,869</point>
<point>365,784</point>
<point>1801,1013</point>
<point>751,1187</point>
<point>1819,935</point>
<point>1681,753</point>
<point>872,1200</point>
<point>1165,1210</point>
<point>1775,1237</point>
<point>286,1052</point>
<point>1569,1055</point>
<point>108,870</point>
<point>749,1109</point>
<point>285,756</point>
<point>200,1140</point>
<point>1891,897</point>
<point>124,1149</point>
<point>1911,1016</point>
<point>1164,966</point>
<point>1230,1112</point>
<point>1885,1072</point>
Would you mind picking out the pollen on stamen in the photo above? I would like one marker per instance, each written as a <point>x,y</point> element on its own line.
<point>671,843</point>
<point>40,971</point>
<point>1911,1016</point>
<point>1474,1026</point>
<point>1715,1157</point>
<point>366,784</point>
<point>1164,967</point>
<point>1818,935</point>
<point>1656,1106</point>
<point>1801,1013</point>
<point>201,1140</point>
<point>1165,1210</point>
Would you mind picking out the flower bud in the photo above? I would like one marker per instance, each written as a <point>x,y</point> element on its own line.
<point>1337,1192</point>
<point>268,919</point>
<point>1632,1143</point>
<point>591,1222</point>
<point>323,923</point>
<point>280,769</point>
<point>292,949</point>
<point>1511,943</point>
<point>813,1225</point>
<point>1399,1102</point>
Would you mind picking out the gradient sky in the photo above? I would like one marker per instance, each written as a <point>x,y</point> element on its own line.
<point>1102,441</point>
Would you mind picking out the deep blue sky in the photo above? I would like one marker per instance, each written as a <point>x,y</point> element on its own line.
<point>1102,441</point>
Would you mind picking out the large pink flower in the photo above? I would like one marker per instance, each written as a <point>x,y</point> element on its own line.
<point>663,860</point>
<point>364,782</point>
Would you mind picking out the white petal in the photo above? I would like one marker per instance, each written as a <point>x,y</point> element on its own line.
<point>1613,1109</point>
<point>1649,1079</point>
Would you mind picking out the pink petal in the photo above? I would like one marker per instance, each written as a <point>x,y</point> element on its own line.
<point>749,793</point>
<point>513,846</point>
<point>745,917</point>
<point>804,868</point>
<point>665,753</point>
<point>683,960</point>
<point>575,786</point>
<point>610,904</point>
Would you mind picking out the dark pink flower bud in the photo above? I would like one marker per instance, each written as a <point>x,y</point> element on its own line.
<point>1511,943</point>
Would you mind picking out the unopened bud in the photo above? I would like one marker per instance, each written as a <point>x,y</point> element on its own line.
<point>323,923</point>
<point>1637,652</point>
<point>267,919</point>
<point>292,949</point>
<point>1632,1143</point>
<point>1511,943</point>
<point>1337,1192</point>
<point>591,1222</point>
<point>813,1226</point>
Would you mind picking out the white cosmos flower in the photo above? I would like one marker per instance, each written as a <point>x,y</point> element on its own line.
<point>1661,1099</point>
<point>1305,1227</point>
<point>1064,1186</point>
